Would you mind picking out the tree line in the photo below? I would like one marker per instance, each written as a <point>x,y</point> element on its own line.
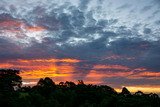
<point>67,94</point>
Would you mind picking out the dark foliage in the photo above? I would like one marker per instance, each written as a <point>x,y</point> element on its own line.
<point>9,80</point>
<point>67,94</point>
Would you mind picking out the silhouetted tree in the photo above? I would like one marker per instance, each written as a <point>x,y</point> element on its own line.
<point>67,94</point>
<point>139,93</point>
<point>80,82</point>
<point>9,80</point>
<point>45,86</point>
<point>125,91</point>
<point>46,82</point>
<point>62,83</point>
<point>70,84</point>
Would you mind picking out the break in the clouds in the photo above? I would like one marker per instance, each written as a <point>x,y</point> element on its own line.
<point>111,41</point>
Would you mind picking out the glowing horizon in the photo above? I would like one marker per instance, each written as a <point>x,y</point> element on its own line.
<point>34,69</point>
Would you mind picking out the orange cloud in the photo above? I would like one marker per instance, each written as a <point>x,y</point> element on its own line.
<point>36,74</point>
<point>65,69</point>
<point>117,67</point>
<point>35,28</point>
<point>16,26</point>
<point>50,60</point>
<point>96,74</point>
<point>145,74</point>
<point>10,24</point>
<point>5,65</point>
<point>40,68</point>
<point>70,60</point>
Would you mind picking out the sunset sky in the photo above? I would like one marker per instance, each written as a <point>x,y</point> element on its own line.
<point>111,42</point>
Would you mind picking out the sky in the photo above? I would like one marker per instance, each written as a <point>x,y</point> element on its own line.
<point>111,42</point>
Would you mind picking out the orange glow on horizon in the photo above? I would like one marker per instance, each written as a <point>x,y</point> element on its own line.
<point>40,68</point>
<point>65,70</point>
<point>48,68</point>
<point>145,89</point>
<point>41,74</point>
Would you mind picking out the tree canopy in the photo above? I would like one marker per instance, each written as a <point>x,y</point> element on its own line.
<point>9,79</point>
<point>67,94</point>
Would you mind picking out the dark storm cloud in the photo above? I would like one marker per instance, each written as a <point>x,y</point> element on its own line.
<point>152,59</point>
<point>146,54</point>
<point>9,50</point>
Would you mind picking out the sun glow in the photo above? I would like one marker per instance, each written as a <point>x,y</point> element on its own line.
<point>145,89</point>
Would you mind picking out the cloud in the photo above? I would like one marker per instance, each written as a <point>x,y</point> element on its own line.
<point>124,6</point>
<point>9,50</point>
<point>146,8</point>
<point>85,30</point>
<point>83,4</point>
<point>147,31</point>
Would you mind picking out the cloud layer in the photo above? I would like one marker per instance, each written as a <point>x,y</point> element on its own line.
<point>114,41</point>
